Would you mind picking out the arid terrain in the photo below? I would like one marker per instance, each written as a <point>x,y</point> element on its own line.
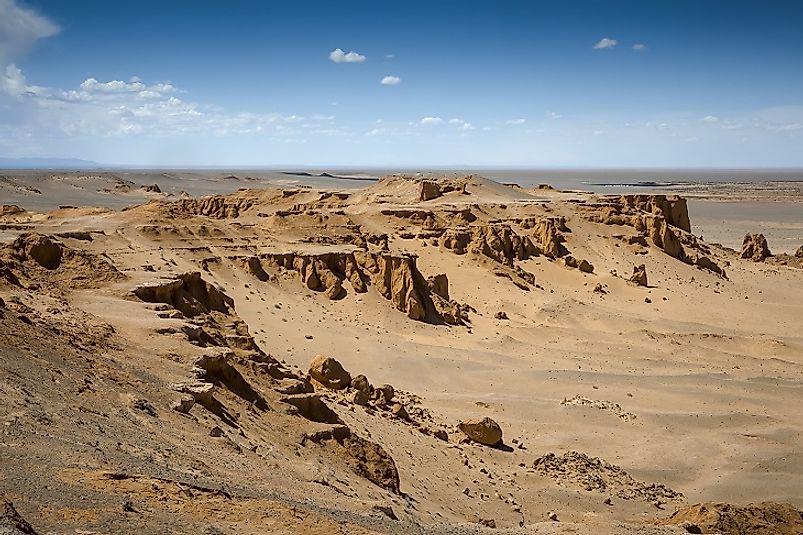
<point>308,358</point>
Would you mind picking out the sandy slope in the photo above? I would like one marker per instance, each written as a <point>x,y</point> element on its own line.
<point>694,382</point>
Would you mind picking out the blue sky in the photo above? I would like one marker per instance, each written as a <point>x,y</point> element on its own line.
<point>563,83</point>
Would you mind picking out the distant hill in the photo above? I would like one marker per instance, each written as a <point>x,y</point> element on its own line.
<point>47,163</point>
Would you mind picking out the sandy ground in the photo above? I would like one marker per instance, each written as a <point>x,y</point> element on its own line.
<point>693,382</point>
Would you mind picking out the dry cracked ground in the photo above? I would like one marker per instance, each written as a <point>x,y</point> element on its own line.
<point>424,355</point>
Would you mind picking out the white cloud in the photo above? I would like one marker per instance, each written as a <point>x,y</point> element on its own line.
<point>431,121</point>
<point>640,47</point>
<point>114,86</point>
<point>466,127</point>
<point>515,121</point>
<point>605,42</point>
<point>20,28</point>
<point>553,115</point>
<point>710,119</point>
<point>338,56</point>
<point>456,120</point>
<point>117,108</point>
<point>390,80</point>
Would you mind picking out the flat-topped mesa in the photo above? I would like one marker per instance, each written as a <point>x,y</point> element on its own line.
<point>394,275</point>
<point>672,207</point>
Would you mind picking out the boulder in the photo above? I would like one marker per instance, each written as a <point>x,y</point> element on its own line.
<point>799,252</point>
<point>183,404</point>
<point>755,248</point>
<point>639,276</point>
<point>585,266</point>
<point>383,394</point>
<point>398,411</point>
<point>483,430</point>
<point>329,372</point>
<point>361,390</point>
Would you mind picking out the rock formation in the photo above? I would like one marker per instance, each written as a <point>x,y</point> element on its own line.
<point>395,277</point>
<point>639,276</point>
<point>188,293</point>
<point>672,208</point>
<point>36,258</point>
<point>755,248</point>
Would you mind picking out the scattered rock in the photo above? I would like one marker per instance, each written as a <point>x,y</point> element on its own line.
<point>592,473</point>
<point>329,372</point>
<point>152,188</point>
<point>600,288</point>
<point>440,434</point>
<point>145,406</point>
<point>501,315</point>
<point>216,432</point>
<point>483,430</point>
<point>755,248</point>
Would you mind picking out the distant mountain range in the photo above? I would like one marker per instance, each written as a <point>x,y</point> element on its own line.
<point>47,163</point>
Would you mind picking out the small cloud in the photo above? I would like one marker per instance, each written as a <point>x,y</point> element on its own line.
<point>114,86</point>
<point>553,115</point>
<point>599,132</point>
<point>391,80</point>
<point>431,121</point>
<point>515,121</point>
<point>390,56</point>
<point>456,120</point>
<point>338,56</point>
<point>605,42</point>
<point>710,119</point>
<point>640,47</point>
<point>466,127</point>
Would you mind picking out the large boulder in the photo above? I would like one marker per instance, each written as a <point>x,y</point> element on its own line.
<point>754,247</point>
<point>483,430</point>
<point>329,372</point>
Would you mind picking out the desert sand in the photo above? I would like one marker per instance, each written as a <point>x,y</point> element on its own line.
<point>342,356</point>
